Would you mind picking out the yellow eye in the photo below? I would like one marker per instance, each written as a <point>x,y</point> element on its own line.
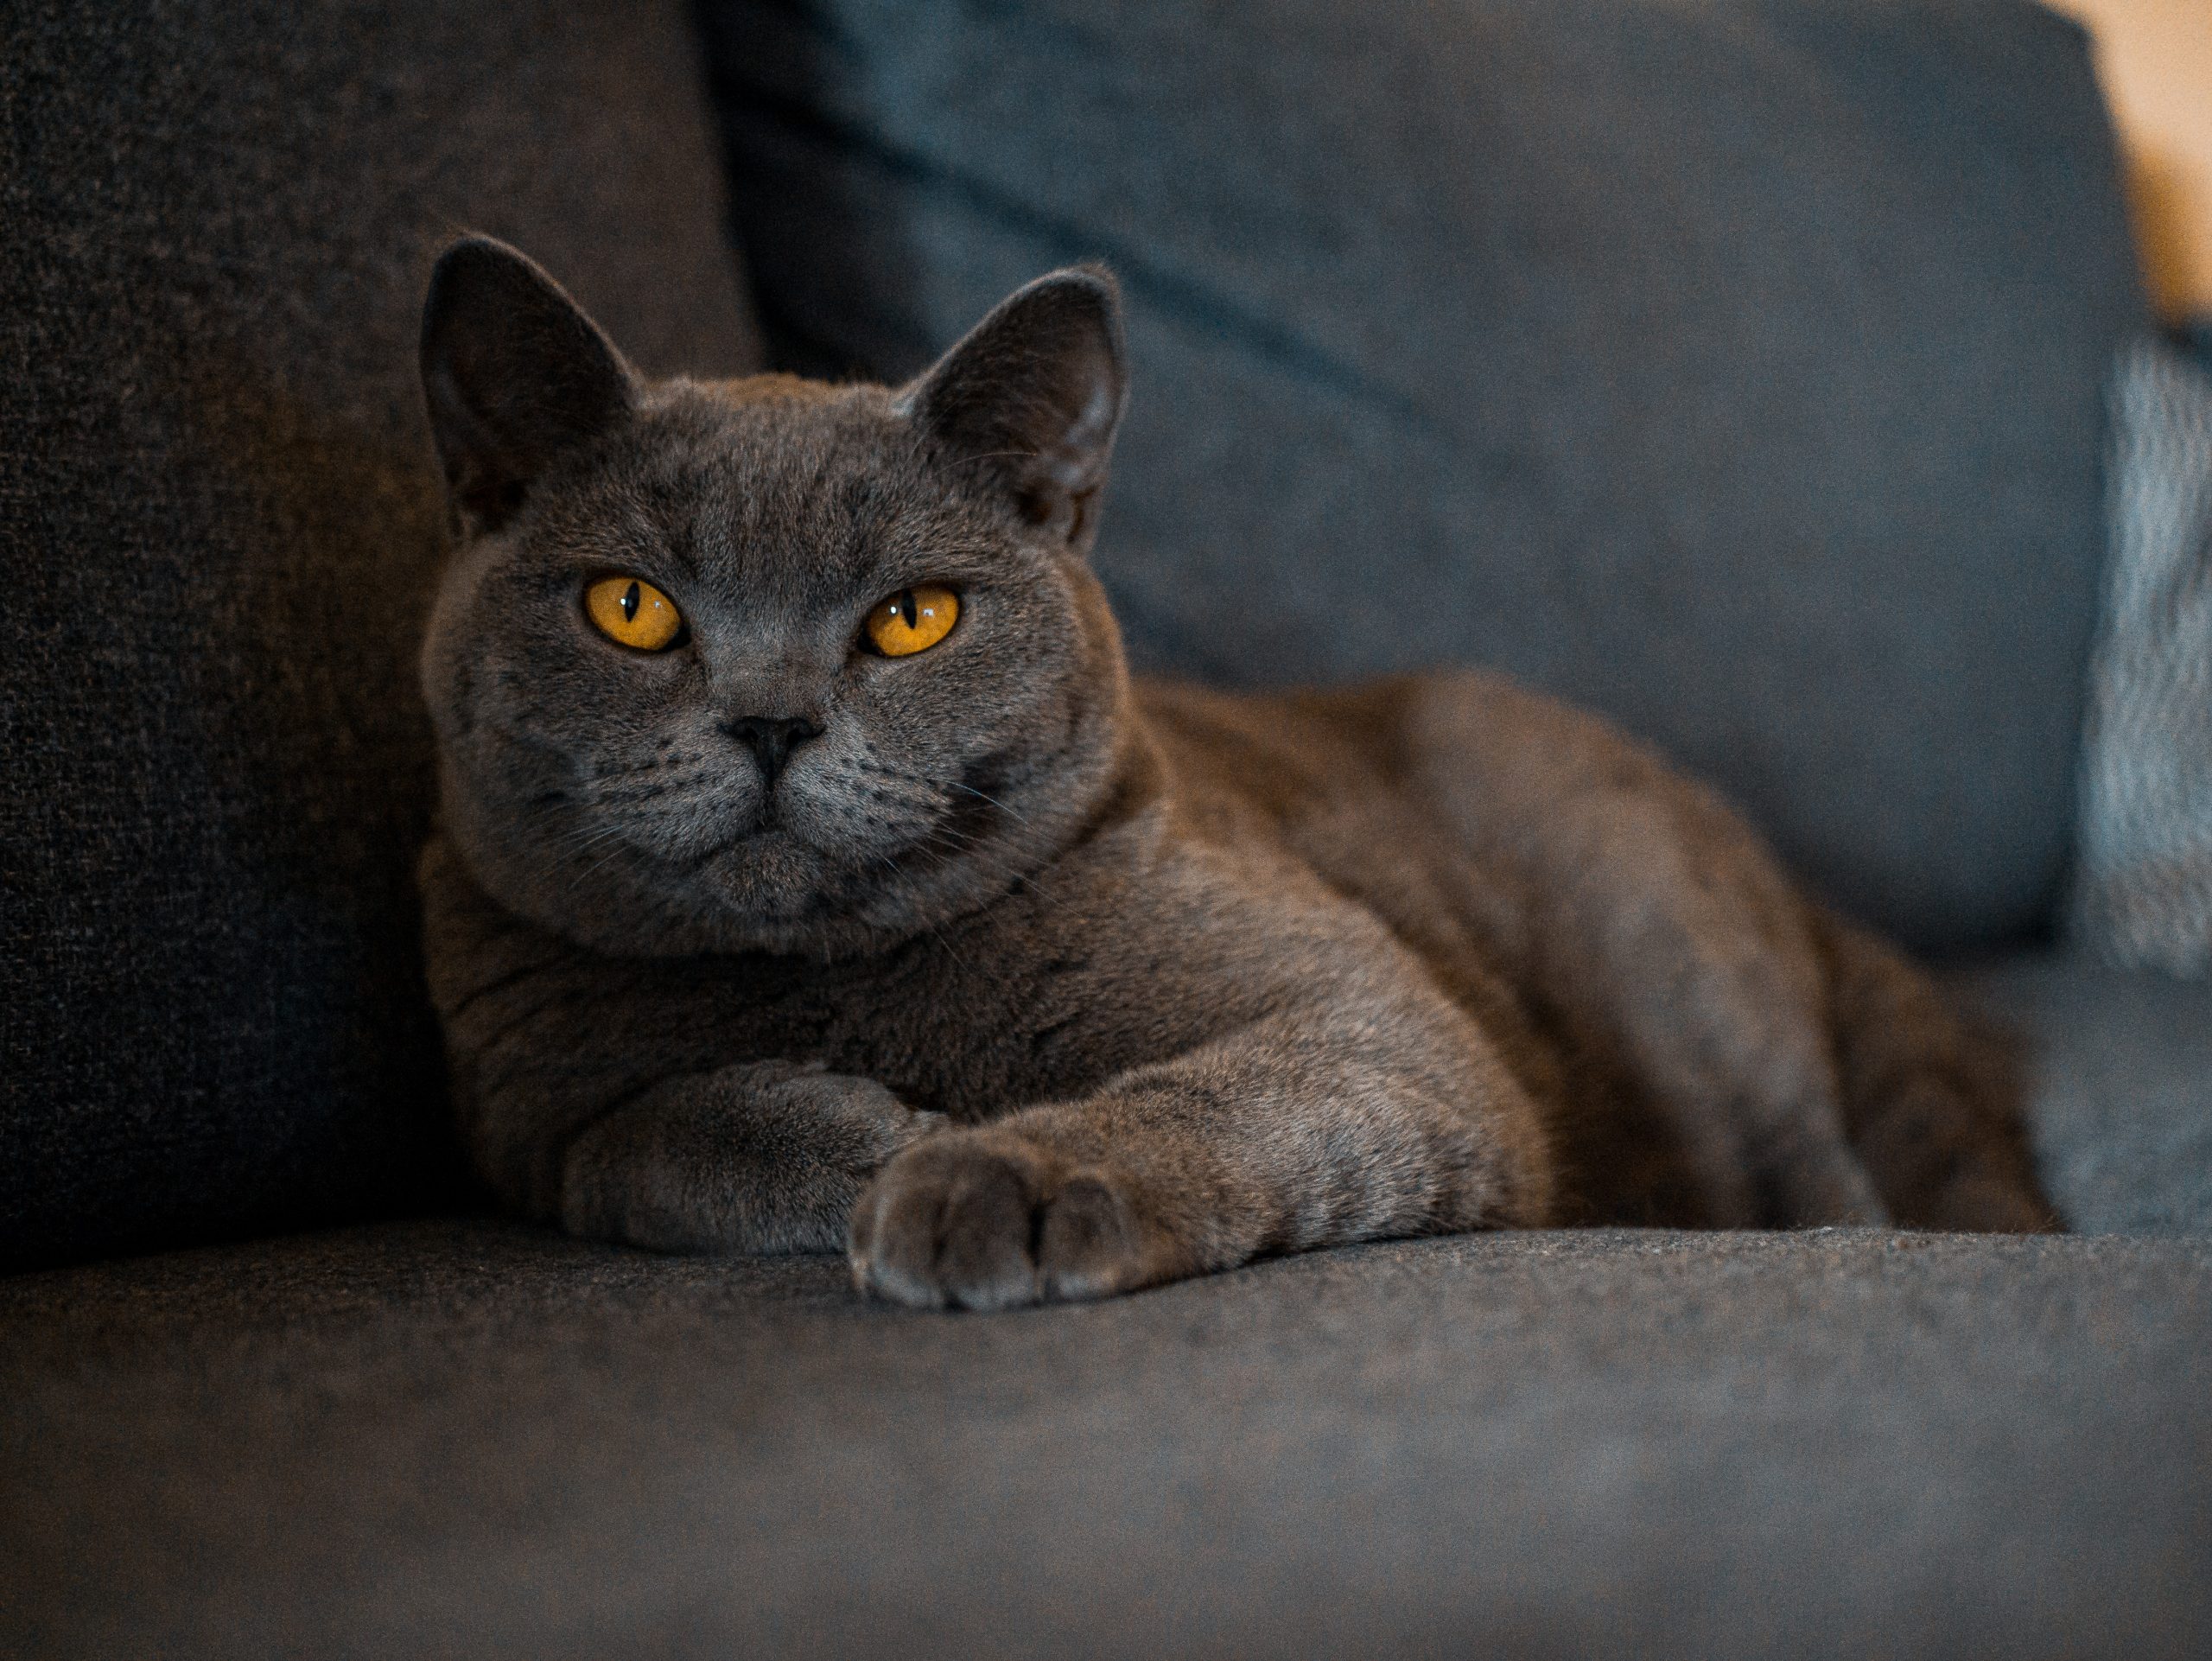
<point>912,619</point>
<point>632,612</point>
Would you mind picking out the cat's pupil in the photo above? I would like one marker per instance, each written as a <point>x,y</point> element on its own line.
<point>906,607</point>
<point>630,600</point>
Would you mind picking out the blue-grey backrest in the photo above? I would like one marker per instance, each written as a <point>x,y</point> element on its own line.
<point>1733,366</point>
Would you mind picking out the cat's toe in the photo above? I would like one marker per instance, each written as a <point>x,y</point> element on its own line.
<point>950,1223</point>
<point>971,1221</point>
<point>982,1239</point>
<point>1089,1245</point>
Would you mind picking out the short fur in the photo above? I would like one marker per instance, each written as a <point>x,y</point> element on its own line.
<point>1023,980</point>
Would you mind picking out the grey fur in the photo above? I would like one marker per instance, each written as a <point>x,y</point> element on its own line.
<point>1028,981</point>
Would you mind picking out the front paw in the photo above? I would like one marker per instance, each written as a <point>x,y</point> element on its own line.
<point>864,1123</point>
<point>764,1156</point>
<point>989,1219</point>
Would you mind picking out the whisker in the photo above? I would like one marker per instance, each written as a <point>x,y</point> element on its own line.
<point>996,858</point>
<point>992,799</point>
<point>587,836</point>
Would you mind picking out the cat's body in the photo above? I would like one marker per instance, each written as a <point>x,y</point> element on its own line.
<point>1028,981</point>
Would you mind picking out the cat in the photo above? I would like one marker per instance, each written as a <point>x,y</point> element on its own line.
<point>811,873</point>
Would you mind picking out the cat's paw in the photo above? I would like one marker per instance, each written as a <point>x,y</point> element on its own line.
<point>764,1156</point>
<point>865,1123</point>
<point>989,1219</point>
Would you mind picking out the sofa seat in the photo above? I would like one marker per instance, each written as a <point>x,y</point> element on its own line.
<point>2119,1088</point>
<point>465,1436</point>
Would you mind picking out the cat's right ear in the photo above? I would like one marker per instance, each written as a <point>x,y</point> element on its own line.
<point>514,372</point>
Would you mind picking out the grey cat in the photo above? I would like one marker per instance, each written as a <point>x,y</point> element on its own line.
<point>812,874</point>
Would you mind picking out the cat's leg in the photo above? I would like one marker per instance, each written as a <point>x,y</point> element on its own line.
<point>1345,1119</point>
<point>1644,913</point>
<point>762,1157</point>
<point>1931,1101</point>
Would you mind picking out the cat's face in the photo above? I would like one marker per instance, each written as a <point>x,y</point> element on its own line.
<point>766,665</point>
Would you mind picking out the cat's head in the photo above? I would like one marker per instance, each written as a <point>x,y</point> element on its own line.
<point>766,664</point>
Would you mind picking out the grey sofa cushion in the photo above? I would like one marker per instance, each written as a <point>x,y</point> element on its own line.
<point>219,521</point>
<point>2119,1071</point>
<point>454,1439</point>
<point>1732,366</point>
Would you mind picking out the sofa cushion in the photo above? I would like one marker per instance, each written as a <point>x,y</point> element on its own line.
<point>1732,366</point>
<point>474,1440</point>
<point>2118,1075</point>
<point>219,523</point>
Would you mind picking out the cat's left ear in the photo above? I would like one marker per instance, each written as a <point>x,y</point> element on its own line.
<point>1032,398</point>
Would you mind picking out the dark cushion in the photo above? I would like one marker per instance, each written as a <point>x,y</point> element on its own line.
<point>1734,367</point>
<point>2118,1072</point>
<point>218,526</point>
<point>432,1440</point>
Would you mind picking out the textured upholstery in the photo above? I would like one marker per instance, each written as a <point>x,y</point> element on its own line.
<point>2119,1069</point>
<point>1732,366</point>
<point>218,519</point>
<point>475,1439</point>
<point>450,1440</point>
<point>2143,894</point>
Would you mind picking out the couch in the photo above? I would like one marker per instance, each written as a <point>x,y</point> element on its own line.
<point>1734,367</point>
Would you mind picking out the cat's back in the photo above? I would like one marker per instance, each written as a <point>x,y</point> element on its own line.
<point>1285,756</point>
<point>1450,764</point>
<point>1343,781</point>
<point>1456,804</point>
<point>1363,757</point>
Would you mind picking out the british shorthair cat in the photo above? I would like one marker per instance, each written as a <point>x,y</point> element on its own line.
<point>811,873</point>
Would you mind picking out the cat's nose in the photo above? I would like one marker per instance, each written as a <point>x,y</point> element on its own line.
<point>772,739</point>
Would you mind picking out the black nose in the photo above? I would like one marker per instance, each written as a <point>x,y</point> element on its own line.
<point>772,739</point>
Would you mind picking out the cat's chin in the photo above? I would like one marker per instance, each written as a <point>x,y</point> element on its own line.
<point>771,891</point>
<point>835,910</point>
<point>767,875</point>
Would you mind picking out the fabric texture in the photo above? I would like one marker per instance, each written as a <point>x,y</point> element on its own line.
<point>2144,893</point>
<point>1733,367</point>
<point>2119,1077</point>
<point>472,1440</point>
<point>218,525</point>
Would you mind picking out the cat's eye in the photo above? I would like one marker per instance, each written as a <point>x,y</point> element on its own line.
<point>911,621</point>
<point>630,611</point>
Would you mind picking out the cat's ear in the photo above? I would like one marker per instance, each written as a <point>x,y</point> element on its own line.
<point>1033,396</point>
<point>514,372</point>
